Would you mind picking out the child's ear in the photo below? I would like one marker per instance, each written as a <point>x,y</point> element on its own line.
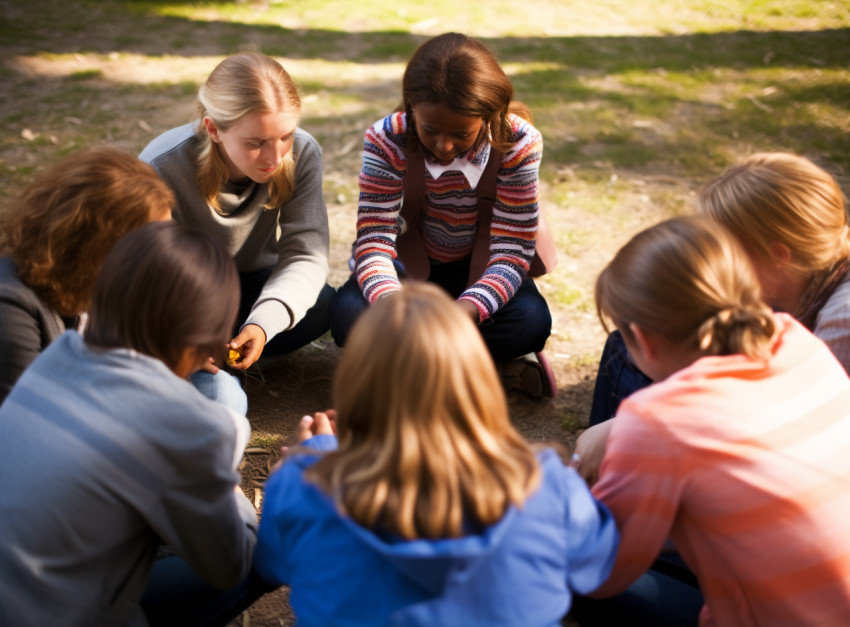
<point>781,251</point>
<point>645,342</point>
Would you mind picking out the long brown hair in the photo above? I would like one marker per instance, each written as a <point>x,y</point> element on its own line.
<point>425,443</point>
<point>244,83</point>
<point>165,287</point>
<point>69,218</point>
<point>688,280</point>
<point>460,72</point>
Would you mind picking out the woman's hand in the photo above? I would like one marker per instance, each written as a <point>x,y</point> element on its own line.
<point>250,343</point>
<point>590,449</point>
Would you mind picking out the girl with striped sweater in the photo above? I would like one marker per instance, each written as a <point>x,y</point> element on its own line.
<point>456,117</point>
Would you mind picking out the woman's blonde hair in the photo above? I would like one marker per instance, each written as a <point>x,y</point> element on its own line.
<point>68,219</point>
<point>781,198</point>
<point>689,281</point>
<point>244,83</point>
<point>463,74</point>
<point>426,448</point>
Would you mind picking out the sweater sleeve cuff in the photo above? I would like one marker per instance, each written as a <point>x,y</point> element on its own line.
<point>272,316</point>
<point>321,443</point>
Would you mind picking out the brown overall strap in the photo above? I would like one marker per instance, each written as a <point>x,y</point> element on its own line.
<point>486,191</point>
<point>410,245</point>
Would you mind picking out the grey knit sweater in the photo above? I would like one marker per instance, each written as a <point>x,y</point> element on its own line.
<point>291,239</point>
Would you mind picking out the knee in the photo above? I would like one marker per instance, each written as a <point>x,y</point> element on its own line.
<point>538,318</point>
<point>223,388</point>
<point>348,303</point>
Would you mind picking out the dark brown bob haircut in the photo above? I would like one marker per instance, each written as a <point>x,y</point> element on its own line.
<point>69,218</point>
<point>164,288</point>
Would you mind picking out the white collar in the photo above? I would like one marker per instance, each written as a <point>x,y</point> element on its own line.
<point>471,170</point>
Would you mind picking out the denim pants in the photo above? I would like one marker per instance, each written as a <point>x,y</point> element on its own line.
<point>617,377</point>
<point>522,326</point>
<point>176,596</point>
<point>313,325</point>
<point>654,600</point>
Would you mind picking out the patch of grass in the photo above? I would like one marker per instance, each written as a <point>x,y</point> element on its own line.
<point>572,421</point>
<point>84,75</point>
<point>262,439</point>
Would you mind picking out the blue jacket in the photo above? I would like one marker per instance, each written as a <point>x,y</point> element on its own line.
<point>522,570</point>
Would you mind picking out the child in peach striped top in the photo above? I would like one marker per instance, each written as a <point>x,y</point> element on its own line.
<point>740,452</point>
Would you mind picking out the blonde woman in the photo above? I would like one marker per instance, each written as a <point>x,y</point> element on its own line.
<point>245,173</point>
<point>432,510</point>
<point>740,450</point>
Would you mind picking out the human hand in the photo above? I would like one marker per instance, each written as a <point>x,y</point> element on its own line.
<point>590,449</point>
<point>470,310</point>
<point>250,343</point>
<point>209,366</point>
<point>320,423</point>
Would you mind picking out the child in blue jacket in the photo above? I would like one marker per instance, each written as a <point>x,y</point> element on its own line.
<point>427,507</point>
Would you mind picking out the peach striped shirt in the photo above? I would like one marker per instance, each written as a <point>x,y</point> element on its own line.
<point>746,466</point>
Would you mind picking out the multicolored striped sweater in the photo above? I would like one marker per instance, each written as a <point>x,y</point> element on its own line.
<point>449,218</point>
<point>746,466</point>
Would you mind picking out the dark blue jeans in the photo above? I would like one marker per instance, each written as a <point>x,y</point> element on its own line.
<point>522,326</point>
<point>314,324</point>
<point>617,377</point>
<point>654,600</point>
<point>177,596</point>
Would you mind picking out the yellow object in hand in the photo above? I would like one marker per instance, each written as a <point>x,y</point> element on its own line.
<point>233,356</point>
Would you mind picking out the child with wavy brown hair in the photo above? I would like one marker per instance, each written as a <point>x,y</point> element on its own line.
<point>738,452</point>
<point>110,452</point>
<point>431,509</point>
<point>56,235</point>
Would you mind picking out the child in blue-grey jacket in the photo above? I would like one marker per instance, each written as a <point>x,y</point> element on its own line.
<point>427,507</point>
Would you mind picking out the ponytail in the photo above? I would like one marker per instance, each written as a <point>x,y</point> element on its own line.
<point>686,279</point>
<point>744,330</point>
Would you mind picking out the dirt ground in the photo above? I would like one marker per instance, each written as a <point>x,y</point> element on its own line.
<point>301,384</point>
